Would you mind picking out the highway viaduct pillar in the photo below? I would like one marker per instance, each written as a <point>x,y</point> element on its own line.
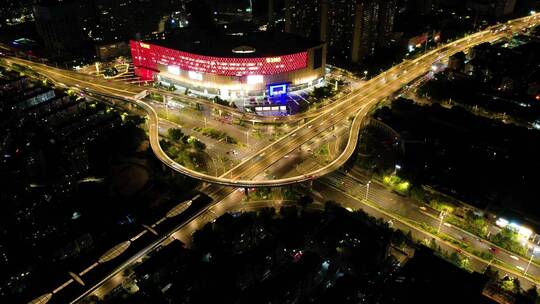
<point>246,192</point>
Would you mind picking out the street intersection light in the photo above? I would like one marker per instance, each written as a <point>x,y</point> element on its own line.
<point>441,217</point>
<point>536,249</point>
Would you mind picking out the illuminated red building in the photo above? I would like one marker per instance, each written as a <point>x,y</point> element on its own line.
<point>232,67</point>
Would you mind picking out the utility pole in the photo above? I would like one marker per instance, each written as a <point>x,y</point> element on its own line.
<point>367,190</point>
<point>441,217</point>
<point>528,264</point>
<point>535,249</point>
<point>166,107</point>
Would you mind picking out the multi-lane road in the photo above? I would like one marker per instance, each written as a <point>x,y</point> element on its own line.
<point>350,190</point>
<point>355,105</point>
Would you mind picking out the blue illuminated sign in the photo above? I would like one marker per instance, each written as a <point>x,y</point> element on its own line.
<point>278,89</point>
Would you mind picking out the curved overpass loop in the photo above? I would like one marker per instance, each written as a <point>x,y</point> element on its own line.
<point>357,103</point>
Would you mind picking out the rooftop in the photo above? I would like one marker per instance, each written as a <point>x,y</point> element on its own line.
<point>259,44</point>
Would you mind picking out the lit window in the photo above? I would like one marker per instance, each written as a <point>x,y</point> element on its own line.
<point>195,75</point>
<point>255,79</point>
<point>173,69</point>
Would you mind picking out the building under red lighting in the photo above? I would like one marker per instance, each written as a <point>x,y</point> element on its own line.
<point>233,67</point>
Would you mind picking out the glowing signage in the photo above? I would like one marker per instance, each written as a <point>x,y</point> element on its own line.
<point>501,222</point>
<point>273,59</point>
<point>271,108</point>
<point>195,75</point>
<point>148,57</point>
<point>277,89</point>
<point>173,69</point>
<point>255,79</point>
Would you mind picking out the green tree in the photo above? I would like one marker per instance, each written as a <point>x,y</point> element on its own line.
<point>175,134</point>
<point>409,236</point>
<point>322,92</point>
<point>398,238</point>
<point>464,263</point>
<point>231,140</point>
<point>331,206</point>
<point>165,144</point>
<point>454,258</point>
<point>433,244</point>
<point>305,201</point>
<point>508,285</point>
<point>491,273</point>
<point>135,119</point>
<point>531,294</point>
<point>509,240</point>
<point>476,224</point>
<point>418,193</point>
<point>199,145</point>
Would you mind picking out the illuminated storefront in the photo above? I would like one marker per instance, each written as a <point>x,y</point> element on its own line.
<point>151,56</point>
<point>240,73</point>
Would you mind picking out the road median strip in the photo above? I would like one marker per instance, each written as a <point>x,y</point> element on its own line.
<point>417,227</point>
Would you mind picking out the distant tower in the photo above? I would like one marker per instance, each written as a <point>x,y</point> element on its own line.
<point>59,25</point>
<point>324,21</point>
<point>353,29</point>
<point>271,14</point>
<point>387,15</point>
<point>373,26</point>
<point>504,7</point>
<point>424,7</point>
<point>303,18</point>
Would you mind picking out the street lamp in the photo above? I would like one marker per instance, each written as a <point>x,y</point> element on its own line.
<point>367,190</point>
<point>441,217</point>
<point>535,250</point>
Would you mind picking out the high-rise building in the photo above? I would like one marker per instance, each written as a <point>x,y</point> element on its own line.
<point>74,27</point>
<point>353,29</point>
<point>60,24</point>
<point>387,15</point>
<point>495,8</point>
<point>423,7</point>
<point>340,28</point>
<point>366,29</point>
<point>120,20</point>
<point>231,11</point>
<point>303,18</point>
<point>504,7</point>
<point>360,33</point>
